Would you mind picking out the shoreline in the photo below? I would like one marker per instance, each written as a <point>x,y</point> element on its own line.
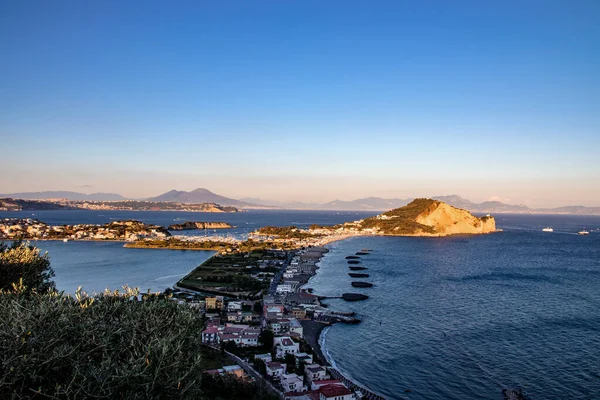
<point>312,334</point>
<point>134,246</point>
<point>315,334</point>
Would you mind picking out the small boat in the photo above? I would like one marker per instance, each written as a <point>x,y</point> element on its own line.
<point>548,229</point>
<point>583,232</point>
<point>65,240</point>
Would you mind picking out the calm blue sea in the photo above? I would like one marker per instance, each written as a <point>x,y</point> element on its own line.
<point>464,317</point>
<point>98,265</point>
<point>448,318</point>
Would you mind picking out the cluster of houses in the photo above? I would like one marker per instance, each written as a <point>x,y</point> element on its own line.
<point>281,313</point>
<point>299,271</point>
<point>241,335</point>
<point>282,317</point>
<point>13,228</point>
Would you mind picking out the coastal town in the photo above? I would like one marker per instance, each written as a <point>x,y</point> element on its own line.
<point>28,228</point>
<point>273,335</point>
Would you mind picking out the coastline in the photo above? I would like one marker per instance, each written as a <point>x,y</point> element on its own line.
<point>134,246</point>
<point>315,334</point>
<point>72,240</point>
<point>313,330</point>
<point>316,329</point>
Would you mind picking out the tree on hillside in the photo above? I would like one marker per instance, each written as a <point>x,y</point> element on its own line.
<point>290,362</point>
<point>266,338</point>
<point>22,261</point>
<point>260,366</point>
<point>258,307</point>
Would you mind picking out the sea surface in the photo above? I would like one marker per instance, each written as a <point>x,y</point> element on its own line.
<point>466,316</point>
<point>96,266</point>
<point>448,318</point>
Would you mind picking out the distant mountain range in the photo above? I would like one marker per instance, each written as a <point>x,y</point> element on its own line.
<point>67,195</point>
<point>202,195</point>
<point>382,204</point>
<point>196,196</point>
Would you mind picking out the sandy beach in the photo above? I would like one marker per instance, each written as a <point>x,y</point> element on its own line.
<point>312,332</point>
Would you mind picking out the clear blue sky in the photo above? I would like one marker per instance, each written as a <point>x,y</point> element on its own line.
<point>313,100</point>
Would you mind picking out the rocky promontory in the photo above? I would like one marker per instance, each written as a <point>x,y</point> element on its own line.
<point>189,225</point>
<point>427,217</point>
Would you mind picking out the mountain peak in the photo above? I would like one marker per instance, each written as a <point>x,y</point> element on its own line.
<point>201,191</point>
<point>199,195</point>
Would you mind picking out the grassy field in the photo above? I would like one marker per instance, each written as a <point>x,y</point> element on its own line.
<point>236,273</point>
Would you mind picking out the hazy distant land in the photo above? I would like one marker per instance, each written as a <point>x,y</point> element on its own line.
<point>178,200</point>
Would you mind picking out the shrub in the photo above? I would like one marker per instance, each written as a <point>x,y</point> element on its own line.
<point>116,345</point>
<point>20,261</point>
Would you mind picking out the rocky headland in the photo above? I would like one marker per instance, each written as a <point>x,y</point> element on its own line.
<point>427,217</point>
<point>421,217</point>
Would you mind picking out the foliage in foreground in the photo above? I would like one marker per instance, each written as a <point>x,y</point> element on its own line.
<point>113,346</point>
<point>21,261</point>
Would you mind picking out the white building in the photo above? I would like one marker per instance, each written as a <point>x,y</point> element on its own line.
<point>284,288</point>
<point>304,358</point>
<point>264,357</point>
<point>275,369</point>
<point>315,372</point>
<point>335,392</point>
<point>292,383</point>
<point>296,327</point>
<point>234,306</point>
<point>285,345</point>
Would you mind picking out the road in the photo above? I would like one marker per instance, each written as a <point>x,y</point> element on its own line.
<point>254,374</point>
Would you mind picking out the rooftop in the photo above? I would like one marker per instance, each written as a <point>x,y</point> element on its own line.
<point>334,390</point>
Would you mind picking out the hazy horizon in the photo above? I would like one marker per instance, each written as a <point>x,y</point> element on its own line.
<point>309,201</point>
<point>305,101</point>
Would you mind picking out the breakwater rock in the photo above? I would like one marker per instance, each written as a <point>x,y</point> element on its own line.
<point>513,394</point>
<point>362,284</point>
<point>358,275</point>
<point>354,296</point>
<point>189,225</point>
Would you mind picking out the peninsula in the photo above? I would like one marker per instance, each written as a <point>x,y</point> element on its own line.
<point>421,217</point>
<point>427,217</point>
<point>190,225</point>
